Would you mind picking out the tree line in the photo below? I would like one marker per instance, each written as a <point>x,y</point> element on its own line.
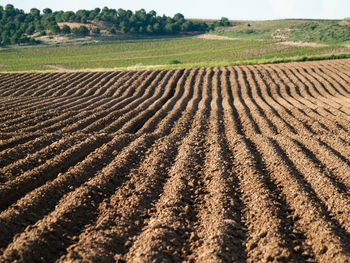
<point>17,27</point>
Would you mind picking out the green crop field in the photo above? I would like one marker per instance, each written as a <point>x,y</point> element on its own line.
<point>157,53</point>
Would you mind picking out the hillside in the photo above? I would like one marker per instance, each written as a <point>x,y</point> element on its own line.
<point>18,27</point>
<point>48,26</point>
<point>304,30</point>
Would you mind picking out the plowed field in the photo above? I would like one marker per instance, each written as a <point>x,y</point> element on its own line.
<point>246,163</point>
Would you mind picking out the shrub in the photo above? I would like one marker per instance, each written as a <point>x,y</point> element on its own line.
<point>96,31</point>
<point>66,29</point>
<point>80,31</point>
<point>111,30</point>
<point>174,61</point>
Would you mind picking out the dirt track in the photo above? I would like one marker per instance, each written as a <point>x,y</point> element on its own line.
<point>247,163</point>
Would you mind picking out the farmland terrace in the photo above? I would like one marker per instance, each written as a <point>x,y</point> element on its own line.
<point>241,163</point>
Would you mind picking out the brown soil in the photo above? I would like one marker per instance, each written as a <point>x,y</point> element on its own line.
<point>57,67</point>
<point>73,24</point>
<point>215,37</point>
<point>301,44</point>
<point>229,164</point>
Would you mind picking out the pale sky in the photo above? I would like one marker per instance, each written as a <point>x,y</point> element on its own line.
<point>215,9</point>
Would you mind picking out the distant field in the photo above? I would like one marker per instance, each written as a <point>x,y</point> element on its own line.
<point>188,51</point>
<point>318,31</point>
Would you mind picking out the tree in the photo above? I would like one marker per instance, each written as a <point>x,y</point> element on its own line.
<point>179,17</point>
<point>225,22</point>
<point>169,28</point>
<point>30,30</point>
<point>152,13</point>
<point>157,28</point>
<point>35,12</point>
<point>66,29</point>
<point>5,38</point>
<point>47,11</point>
<point>187,26</point>
<point>14,39</point>
<point>10,10</point>
<point>94,13</point>
<point>149,29</point>
<point>82,15</point>
<point>55,29</point>
<point>68,16</point>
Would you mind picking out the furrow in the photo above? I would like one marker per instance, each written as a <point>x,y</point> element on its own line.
<point>240,103</point>
<point>20,88</point>
<point>327,84</point>
<point>183,93</point>
<point>38,203</point>
<point>301,86</point>
<point>168,232</point>
<point>322,234</point>
<point>338,72</point>
<point>149,91</point>
<point>334,78</point>
<point>321,178</point>
<point>44,81</point>
<point>150,108</point>
<point>317,88</point>
<point>85,118</point>
<point>68,80</point>
<point>19,79</point>
<point>82,88</point>
<point>14,189</point>
<point>7,78</point>
<point>50,236</point>
<point>148,180</point>
<point>16,140</point>
<point>13,154</point>
<point>39,157</point>
<point>258,91</point>
<point>263,124</point>
<point>64,120</point>
<point>265,213</point>
<point>306,109</point>
<point>80,82</point>
<point>22,83</point>
<point>221,233</point>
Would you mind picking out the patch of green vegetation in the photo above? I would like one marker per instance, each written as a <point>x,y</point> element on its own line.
<point>174,62</point>
<point>319,31</point>
<point>264,61</point>
<point>330,33</point>
<point>255,29</point>
<point>120,54</point>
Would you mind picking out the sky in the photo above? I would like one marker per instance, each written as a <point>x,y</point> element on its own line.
<point>213,9</point>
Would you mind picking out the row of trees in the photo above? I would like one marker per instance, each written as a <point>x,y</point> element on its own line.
<point>18,27</point>
<point>126,21</point>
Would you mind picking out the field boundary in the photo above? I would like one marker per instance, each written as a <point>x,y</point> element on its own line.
<point>345,55</point>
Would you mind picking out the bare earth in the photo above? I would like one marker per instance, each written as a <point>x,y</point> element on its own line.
<point>58,67</point>
<point>73,24</point>
<point>215,37</point>
<point>229,164</point>
<point>301,44</point>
